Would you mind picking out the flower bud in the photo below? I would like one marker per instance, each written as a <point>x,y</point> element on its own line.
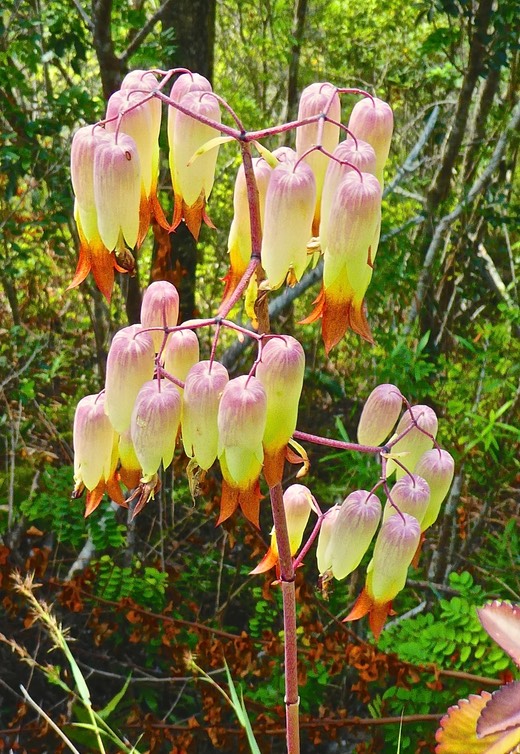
<point>281,372</point>
<point>117,190</point>
<point>373,121</point>
<point>285,154</point>
<point>354,528</point>
<point>203,388</point>
<point>360,154</point>
<point>314,100</point>
<point>93,439</point>
<point>380,414</point>
<point>192,180</point>
<point>437,467</point>
<point>415,442</point>
<point>239,241</point>
<point>85,142</point>
<point>289,209</point>
<point>155,423</point>
<point>323,549</point>
<point>130,363</point>
<point>160,308</point>
<point>145,81</point>
<point>241,423</point>
<point>411,494</point>
<point>394,550</point>
<point>180,353</point>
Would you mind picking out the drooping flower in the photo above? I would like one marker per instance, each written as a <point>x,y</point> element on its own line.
<point>130,112</point>
<point>416,442</point>
<point>203,389</point>
<point>117,190</point>
<point>323,549</point>
<point>241,423</point>
<point>350,152</point>
<point>159,308</point>
<point>192,180</point>
<point>93,254</point>
<point>95,453</point>
<point>395,547</point>
<point>352,238</point>
<point>317,99</point>
<point>180,353</point>
<point>239,241</point>
<point>298,504</point>
<point>372,120</point>
<point>155,422</point>
<point>130,363</point>
<point>280,371</point>
<point>411,494</point>
<point>380,414</point>
<point>289,209</point>
<point>437,467</point>
<point>354,527</point>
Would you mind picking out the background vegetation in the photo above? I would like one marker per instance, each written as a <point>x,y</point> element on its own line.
<point>139,598</point>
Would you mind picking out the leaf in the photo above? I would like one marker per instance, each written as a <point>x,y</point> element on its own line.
<point>502,712</point>
<point>266,154</point>
<point>502,622</point>
<point>112,704</point>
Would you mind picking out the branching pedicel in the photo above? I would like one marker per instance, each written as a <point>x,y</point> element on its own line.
<point>287,204</point>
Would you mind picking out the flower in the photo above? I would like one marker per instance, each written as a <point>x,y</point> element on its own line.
<point>95,453</point>
<point>180,353</point>
<point>323,550</point>
<point>160,308</point>
<point>289,209</point>
<point>192,180</point>
<point>242,417</point>
<point>352,238</point>
<point>395,547</point>
<point>155,422</point>
<point>280,371</point>
<point>411,494</point>
<point>316,99</point>
<point>423,423</point>
<point>203,388</point>
<point>380,414</point>
<point>372,120</point>
<point>130,363</point>
<point>437,467</point>
<point>298,503</point>
<point>239,241</point>
<point>354,527</point>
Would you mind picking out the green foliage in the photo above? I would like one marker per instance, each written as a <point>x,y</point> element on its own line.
<point>144,584</point>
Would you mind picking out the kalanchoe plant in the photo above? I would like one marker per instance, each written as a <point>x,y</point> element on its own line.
<point>159,394</point>
<point>488,723</point>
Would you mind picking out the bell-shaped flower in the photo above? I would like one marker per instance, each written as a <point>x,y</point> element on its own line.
<point>155,422</point>
<point>130,363</point>
<point>289,209</point>
<point>180,353</point>
<point>285,154</point>
<point>93,254</point>
<point>239,241</point>
<point>349,152</point>
<point>379,415</point>
<point>241,423</point>
<point>159,308</point>
<point>354,528</point>
<point>323,548</point>
<point>317,99</point>
<point>415,442</point>
<point>130,471</point>
<point>372,120</point>
<point>411,494</point>
<point>298,504</point>
<point>394,550</point>
<point>129,112</point>
<point>117,190</point>
<point>192,179</point>
<point>95,453</point>
<point>352,237</point>
<point>280,371</point>
<point>203,389</point>
<point>184,84</point>
<point>437,467</point>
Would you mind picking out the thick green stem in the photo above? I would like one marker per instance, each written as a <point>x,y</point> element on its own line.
<point>287,576</point>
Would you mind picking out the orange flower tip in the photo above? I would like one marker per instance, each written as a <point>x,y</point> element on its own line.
<point>363,605</point>
<point>317,312</point>
<point>94,498</point>
<point>269,561</point>
<point>377,618</point>
<point>249,501</point>
<point>274,465</point>
<point>417,556</point>
<point>228,502</point>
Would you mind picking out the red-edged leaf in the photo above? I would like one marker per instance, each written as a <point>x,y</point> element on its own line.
<point>502,622</point>
<point>502,712</point>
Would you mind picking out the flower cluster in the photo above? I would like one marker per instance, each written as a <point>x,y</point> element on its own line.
<point>324,194</point>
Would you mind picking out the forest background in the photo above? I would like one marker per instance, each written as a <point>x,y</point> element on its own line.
<point>139,596</point>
